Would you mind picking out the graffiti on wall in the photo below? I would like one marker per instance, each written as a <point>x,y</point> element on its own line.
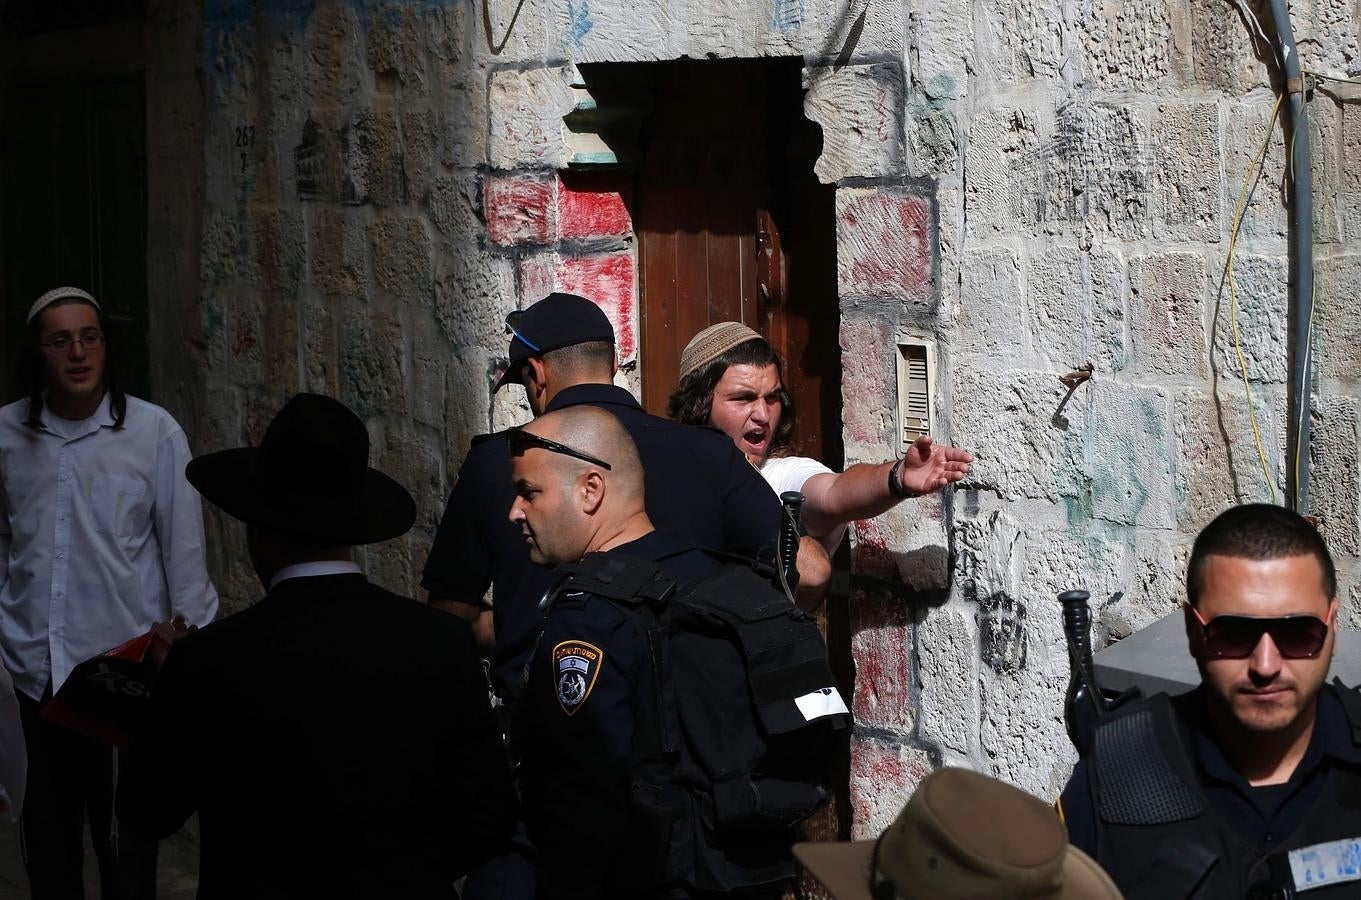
<point>1099,163</point>
<point>788,15</point>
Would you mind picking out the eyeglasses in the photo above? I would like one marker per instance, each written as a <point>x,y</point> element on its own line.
<point>521,440</point>
<point>513,320</point>
<point>62,340</point>
<point>1235,637</point>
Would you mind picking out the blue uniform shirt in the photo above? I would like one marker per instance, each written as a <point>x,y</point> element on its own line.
<point>575,729</point>
<point>698,486</point>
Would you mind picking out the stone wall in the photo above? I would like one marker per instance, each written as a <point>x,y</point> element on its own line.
<point>1104,147</point>
<point>1032,185</point>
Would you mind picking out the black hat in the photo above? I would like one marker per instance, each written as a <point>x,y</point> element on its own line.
<point>309,478</point>
<point>556,321</point>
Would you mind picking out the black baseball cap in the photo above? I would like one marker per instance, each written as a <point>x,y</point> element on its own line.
<point>558,320</point>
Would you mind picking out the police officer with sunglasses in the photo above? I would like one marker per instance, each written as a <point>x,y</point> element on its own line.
<point>1250,784</point>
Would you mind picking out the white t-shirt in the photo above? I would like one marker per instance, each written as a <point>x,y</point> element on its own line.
<point>788,473</point>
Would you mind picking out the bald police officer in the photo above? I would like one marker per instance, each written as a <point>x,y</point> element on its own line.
<point>578,490</point>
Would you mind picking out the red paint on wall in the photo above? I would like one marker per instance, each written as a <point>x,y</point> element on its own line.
<point>883,662</point>
<point>878,762</point>
<point>593,205</point>
<point>868,376</point>
<point>537,278</point>
<point>245,340</point>
<point>886,246</point>
<point>610,281</point>
<point>871,554</point>
<point>518,210</point>
<point>881,781</point>
<point>267,252</point>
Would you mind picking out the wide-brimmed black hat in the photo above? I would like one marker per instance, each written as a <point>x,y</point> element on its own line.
<point>558,320</point>
<point>309,478</point>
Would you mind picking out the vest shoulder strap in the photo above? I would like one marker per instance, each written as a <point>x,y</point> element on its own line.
<point>619,577</point>
<point>1143,773</point>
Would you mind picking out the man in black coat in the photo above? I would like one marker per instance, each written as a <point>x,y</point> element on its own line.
<point>335,739</point>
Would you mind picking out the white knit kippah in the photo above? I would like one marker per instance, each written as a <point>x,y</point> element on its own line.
<point>61,293</point>
<point>713,342</point>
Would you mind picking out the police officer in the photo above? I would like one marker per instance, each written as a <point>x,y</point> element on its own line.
<point>562,352</point>
<point>1249,785</point>
<point>578,490</point>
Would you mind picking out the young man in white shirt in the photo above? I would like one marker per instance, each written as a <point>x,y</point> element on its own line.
<point>731,378</point>
<point>100,537</point>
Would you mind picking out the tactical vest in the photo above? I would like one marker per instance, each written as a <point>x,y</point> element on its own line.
<point>736,722</point>
<point>1159,837</point>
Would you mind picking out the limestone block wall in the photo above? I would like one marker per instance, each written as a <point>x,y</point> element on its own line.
<point>1084,219</point>
<point>1034,186</point>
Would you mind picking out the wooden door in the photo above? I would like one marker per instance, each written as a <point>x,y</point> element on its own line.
<point>732,225</point>
<point>702,179</point>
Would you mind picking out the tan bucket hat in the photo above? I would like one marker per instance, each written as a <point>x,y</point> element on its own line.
<point>962,835</point>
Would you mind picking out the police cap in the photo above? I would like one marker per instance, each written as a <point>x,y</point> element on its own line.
<point>558,320</point>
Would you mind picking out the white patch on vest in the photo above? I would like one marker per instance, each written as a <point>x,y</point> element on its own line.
<point>1323,865</point>
<point>825,702</point>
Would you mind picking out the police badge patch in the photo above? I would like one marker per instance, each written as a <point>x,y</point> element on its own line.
<point>575,667</point>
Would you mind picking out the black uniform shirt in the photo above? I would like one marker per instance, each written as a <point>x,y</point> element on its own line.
<point>1264,816</point>
<point>698,486</point>
<point>576,729</point>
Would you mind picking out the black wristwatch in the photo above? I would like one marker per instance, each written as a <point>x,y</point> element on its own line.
<point>895,484</point>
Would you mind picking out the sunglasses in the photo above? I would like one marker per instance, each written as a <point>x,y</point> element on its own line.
<point>521,440</point>
<point>1235,637</point>
<point>513,320</point>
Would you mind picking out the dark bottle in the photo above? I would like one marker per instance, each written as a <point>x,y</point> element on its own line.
<point>1084,703</point>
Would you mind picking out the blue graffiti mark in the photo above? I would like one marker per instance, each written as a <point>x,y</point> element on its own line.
<point>788,15</point>
<point>229,12</point>
<point>391,9</point>
<point>229,22</point>
<point>579,21</point>
<point>231,25</point>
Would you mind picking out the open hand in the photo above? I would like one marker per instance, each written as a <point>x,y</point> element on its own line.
<point>929,466</point>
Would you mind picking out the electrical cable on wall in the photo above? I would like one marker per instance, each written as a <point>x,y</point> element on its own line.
<point>1339,79</point>
<point>1250,174</point>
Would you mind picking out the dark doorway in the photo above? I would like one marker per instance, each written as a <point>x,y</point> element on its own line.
<point>73,163</point>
